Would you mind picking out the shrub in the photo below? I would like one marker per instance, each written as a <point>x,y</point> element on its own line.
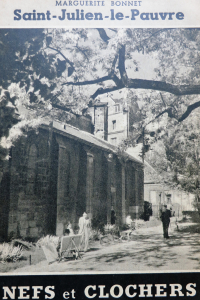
<point>98,223</point>
<point>46,240</point>
<point>140,223</point>
<point>95,235</point>
<point>109,228</point>
<point>112,229</point>
<point>124,227</point>
<point>10,253</point>
<point>193,216</point>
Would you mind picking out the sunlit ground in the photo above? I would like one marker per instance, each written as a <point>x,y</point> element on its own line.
<point>147,251</point>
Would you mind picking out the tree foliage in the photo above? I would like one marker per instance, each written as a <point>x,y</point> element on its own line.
<point>153,71</point>
<point>23,66</point>
<point>176,156</point>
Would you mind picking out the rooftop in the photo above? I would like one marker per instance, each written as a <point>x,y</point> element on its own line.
<point>86,137</point>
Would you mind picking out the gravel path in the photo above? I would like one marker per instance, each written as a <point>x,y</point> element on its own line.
<point>147,251</point>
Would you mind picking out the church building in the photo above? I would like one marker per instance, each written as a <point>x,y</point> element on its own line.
<point>62,170</point>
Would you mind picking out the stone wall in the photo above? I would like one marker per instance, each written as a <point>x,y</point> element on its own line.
<point>29,185</point>
<point>4,203</point>
<point>55,178</point>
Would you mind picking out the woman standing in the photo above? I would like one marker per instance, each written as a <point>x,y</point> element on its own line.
<point>84,229</point>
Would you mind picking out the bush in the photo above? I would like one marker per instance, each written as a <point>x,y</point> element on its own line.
<point>140,224</point>
<point>111,229</point>
<point>124,227</point>
<point>10,253</point>
<point>46,240</point>
<point>98,224</point>
<point>95,235</point>
<point>191,215</point>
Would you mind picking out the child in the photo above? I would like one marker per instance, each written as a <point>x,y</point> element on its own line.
<point>70,253</point>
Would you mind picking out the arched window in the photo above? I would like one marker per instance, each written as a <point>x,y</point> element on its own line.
<point>31,172</point>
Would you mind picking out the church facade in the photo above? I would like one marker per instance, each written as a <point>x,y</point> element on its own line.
<point>61,171</point>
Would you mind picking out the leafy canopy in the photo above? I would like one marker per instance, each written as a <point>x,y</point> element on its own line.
<point>154,71</point>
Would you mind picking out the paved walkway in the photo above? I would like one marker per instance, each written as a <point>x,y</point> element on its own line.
<point>147,251</point>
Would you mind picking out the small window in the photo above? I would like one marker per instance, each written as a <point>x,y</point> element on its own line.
<point>117,108</point>
<point>114,124</point>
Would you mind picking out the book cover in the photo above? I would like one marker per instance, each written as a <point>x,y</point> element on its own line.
<point>99,141</point>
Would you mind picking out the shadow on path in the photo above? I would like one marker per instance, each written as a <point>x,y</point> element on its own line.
<point>150,250</point>
<point>146,251</point>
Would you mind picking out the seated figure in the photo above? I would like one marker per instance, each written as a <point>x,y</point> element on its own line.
<point>69,227</point>
<point>128,221</point>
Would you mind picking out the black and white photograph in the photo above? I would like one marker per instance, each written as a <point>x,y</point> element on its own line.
<point>100,150</point>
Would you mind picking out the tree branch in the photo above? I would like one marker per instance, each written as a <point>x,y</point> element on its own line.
<point>117,81</point>
<point>83,52</point>
<point>114,63</point>
<point>155,33</point>
<point>66,59</point>
<point>122,68</point>
<point>178,90</point>
<point>102,91</point>
<point>169,111</point>
<point>103,35</point>
<point>64,108</point>
<point>86,82</point>
<point>189,110</point>
<point>162,99</point>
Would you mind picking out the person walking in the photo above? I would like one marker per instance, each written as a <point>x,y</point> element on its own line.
<point>165,218</point>
<point>84,229</point>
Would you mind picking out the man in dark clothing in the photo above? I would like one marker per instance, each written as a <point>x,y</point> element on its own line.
<point>165,218</point>
<point>113,217</point>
